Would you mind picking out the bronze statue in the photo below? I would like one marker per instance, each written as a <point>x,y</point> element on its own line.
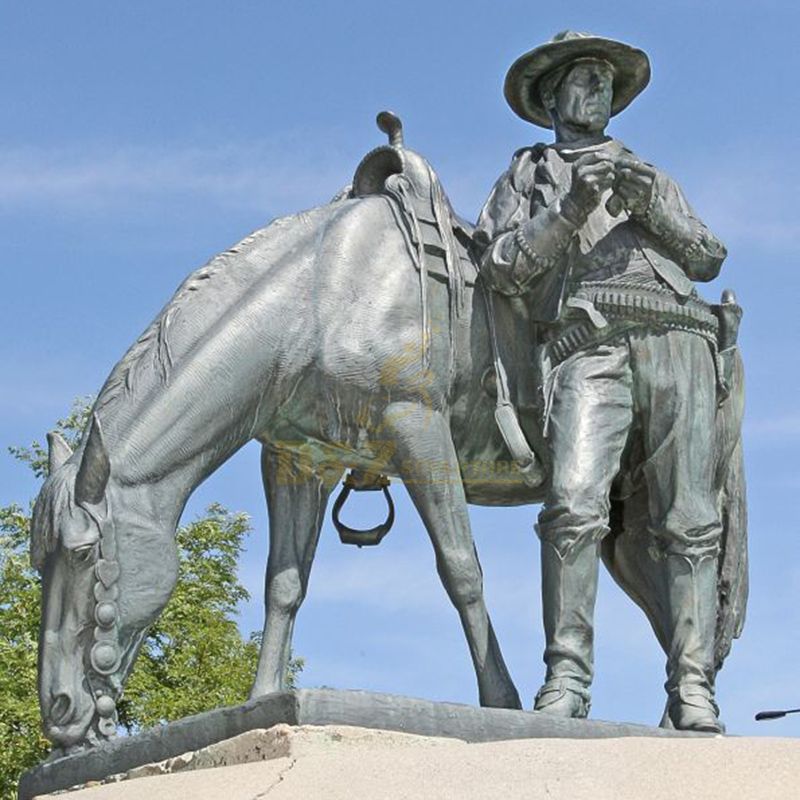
<point>606,248</point>
<point>360,335</point>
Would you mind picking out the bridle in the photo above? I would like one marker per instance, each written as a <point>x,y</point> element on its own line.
<point>105,656</point>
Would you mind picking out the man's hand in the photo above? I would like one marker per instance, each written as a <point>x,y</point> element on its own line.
<point>634,185</point>
<point>592,175</point>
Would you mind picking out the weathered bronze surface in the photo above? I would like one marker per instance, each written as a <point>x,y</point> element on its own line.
<point>385,712</point>
<point>633,364</point>
<point>361,335</point>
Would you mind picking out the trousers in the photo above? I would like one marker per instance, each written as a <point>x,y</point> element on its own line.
<point>659,386</point>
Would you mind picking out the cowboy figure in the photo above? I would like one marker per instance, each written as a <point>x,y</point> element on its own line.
<point>604,248</point>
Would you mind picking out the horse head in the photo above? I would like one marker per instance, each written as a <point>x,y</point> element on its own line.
<point>88,638</point>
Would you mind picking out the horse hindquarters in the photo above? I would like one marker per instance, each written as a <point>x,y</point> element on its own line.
<point>296,501</point>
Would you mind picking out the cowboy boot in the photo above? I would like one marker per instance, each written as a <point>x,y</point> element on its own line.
<point>690,661</point>
<point>569,589</point>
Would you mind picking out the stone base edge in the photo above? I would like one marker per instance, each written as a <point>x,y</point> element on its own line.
<point>314,707</point>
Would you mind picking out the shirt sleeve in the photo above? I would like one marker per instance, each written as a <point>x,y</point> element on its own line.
<point>671,220</point>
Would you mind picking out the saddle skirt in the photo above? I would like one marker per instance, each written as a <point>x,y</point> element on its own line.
<point>439,242</point>
<point>429,219</point>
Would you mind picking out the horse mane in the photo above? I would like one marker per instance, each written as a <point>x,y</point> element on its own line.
<point>56,500</point>
<point>148,360</point>
<point>151,357</point>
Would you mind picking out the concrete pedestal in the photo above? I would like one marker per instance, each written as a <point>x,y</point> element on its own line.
<point>186,738</point>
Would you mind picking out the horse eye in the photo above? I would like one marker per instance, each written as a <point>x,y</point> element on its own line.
<point>83,554</point>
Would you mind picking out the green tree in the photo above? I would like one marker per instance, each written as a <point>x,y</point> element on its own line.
<point>71,428</point>
<point>21,742</point>
<point>193,658</point>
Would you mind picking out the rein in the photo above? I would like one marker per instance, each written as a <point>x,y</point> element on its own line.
<point>505,413</point>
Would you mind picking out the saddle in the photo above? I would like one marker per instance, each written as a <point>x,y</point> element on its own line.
<point>438,240</point>
<point>439,245</point>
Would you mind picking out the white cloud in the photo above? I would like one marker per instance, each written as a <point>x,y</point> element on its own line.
<point>89,179</point>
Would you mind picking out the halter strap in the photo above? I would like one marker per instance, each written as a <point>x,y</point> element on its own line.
<point>105,657</point>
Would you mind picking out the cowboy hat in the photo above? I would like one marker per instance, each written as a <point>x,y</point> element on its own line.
<point>631,72</point>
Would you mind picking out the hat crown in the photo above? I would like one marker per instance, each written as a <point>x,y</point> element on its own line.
<point>564,36</point>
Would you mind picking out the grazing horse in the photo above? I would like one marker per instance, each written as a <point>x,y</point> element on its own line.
<point>354,335</point>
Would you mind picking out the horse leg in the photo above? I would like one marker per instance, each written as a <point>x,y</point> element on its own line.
<point>426,460</point>
<point>296,500</point>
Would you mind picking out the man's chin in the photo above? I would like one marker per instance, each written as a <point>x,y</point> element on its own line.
<point>588,127</point>
<point>594,122</point>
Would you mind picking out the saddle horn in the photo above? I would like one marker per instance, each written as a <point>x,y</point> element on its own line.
<point>381,163</point>
<point>391,125</point>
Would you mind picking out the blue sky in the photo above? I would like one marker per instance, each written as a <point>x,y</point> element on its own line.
<point>138,140</point>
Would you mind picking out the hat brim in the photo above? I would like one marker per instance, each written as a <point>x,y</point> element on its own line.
<point>631,73</point>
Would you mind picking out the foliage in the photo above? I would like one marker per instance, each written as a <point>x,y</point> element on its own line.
<point>21,740</point>
<point>71,428</point>
<point>193,658</point>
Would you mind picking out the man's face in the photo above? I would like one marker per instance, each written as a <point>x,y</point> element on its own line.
<point>583,99</point>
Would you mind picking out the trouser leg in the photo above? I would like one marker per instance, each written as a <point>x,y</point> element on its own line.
<point>588,426</point>
<point>675,387</point>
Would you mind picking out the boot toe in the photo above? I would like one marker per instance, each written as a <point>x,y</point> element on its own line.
<point>561,699</point>
<point>691,718</point>
<point>695,711</point>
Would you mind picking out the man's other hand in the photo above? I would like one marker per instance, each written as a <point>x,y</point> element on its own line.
<point>592,175</point>
<point>634,184</point>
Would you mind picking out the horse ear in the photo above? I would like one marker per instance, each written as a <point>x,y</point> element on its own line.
<point>95,468</point>
<point>58,451</point>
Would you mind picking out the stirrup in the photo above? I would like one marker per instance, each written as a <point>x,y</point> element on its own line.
<point>360,481</point>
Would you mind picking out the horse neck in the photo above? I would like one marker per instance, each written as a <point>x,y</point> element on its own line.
<point>142,520</point>
<point>159,490</point>
<point>188,393</point>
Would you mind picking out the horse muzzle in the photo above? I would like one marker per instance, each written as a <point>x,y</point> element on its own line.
<point>66,724</point>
